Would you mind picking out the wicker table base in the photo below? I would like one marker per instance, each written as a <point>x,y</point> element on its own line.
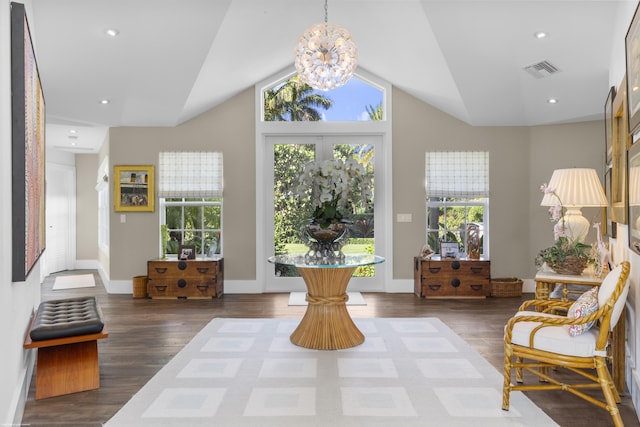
<point>327,324</point>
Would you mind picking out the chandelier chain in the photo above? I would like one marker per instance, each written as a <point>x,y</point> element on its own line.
<point>326,11</point>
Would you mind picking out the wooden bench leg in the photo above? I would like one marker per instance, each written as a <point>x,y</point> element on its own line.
<point>67,368</point>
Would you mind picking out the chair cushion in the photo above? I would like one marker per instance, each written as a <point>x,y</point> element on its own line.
<point>554,339</point>
<point>584,306</point>
<point>607,287</point>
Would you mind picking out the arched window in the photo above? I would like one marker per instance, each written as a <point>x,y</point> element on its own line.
<point>293,100</point>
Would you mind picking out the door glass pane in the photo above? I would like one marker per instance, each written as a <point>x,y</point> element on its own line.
<point>361,211</point>
<point>289,214</point>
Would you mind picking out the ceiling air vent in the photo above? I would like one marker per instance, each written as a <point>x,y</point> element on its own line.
<point>541,69</point>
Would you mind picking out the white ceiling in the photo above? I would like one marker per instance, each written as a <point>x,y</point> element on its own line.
<point>175,59</point>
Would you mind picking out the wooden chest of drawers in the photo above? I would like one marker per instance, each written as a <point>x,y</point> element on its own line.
<point>201,278</point>
<point>451,278</point>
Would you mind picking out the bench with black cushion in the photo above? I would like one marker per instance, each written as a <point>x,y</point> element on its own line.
<point>65,332</point>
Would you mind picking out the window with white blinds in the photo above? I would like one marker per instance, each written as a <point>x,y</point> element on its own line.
<point>457,174</point>
<point>457,190</point>
<point>190,188</point>
<point>190,174</point>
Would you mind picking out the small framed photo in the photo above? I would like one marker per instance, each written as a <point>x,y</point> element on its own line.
<point>187,252</point>
<point>449,250</point>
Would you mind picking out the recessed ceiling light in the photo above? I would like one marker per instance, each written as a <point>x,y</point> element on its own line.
<point>113,32</point>
<point>552,100</point>
<point>104,101</point>
<point>540,34</point>
<point>73,131</point>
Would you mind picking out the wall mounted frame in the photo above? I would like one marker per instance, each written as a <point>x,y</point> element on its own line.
<point>633,179</point>
<point>28,149</point>
<point>618,166</point>
<point>632,54</point>
<point>133,188</point>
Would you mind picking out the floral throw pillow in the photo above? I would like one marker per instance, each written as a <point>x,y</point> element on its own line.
<point>584,306</point>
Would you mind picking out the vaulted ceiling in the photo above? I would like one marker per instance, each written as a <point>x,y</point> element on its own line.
<point>174,59</point>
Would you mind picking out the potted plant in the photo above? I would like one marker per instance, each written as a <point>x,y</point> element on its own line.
<point>567,255</point>
<point>330,185</point>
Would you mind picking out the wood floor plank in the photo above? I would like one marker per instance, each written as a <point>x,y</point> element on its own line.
<point>145,334</point>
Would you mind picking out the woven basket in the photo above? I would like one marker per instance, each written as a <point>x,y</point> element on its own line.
<point>571,265</point>
<point>140,287</point>
<point>506,287</point>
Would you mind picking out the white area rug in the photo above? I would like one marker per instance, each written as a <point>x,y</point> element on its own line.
<point>298,298</point>
<point>76,281</point>
<point>246,372</point>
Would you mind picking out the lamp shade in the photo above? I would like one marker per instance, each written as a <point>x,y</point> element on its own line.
<point>575,187</point>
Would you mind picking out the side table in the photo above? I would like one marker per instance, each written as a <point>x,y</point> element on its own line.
<point>326,324</point>
<point>546,281</point>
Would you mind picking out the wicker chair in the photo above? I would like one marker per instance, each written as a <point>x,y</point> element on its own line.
<point>537,340</point>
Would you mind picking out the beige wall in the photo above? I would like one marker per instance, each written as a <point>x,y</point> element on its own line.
<point>417,128</point>
<point>230,129</point>
<point>86,207</point>
<point>558,147</point>
<point>521,158</point>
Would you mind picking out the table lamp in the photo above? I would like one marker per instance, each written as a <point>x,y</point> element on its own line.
<point>575,188</point>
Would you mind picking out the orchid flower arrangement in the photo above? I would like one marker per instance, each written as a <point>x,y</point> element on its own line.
<point>565,245</point>
<point>556,213</point>
<point>331,184</point>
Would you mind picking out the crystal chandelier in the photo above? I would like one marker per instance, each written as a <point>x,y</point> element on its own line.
<point>326,56</point>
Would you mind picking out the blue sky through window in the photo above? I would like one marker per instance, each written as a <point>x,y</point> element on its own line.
<point>350,101</point>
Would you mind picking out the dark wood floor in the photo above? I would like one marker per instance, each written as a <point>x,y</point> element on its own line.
<point>145,334</point>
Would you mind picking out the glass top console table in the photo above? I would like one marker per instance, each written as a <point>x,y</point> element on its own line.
<point>326,324</point>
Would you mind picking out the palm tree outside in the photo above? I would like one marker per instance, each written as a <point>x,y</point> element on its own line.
<point>294,101</point>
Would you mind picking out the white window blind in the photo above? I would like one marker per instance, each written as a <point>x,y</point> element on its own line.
<point>190,174</point>
<point>457,174</point>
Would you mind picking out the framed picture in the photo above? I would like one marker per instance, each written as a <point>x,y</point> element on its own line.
<point>449,250</point>
<point>633,181</point>
<point>187,252</point>
<point>28,149</point>
<point>133,188</point>
<point>610,227</point>
<point>618,166</point>
<point>632,53</point>
<point>608,126</point>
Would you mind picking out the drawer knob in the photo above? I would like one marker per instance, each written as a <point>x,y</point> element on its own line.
<point>476,270</point>
<point>202,270</point>
<point>434,287</point>
<point>182,265</point>
<point>182,283</point>
<point>455,265</point>
<point>476,287</point>
<point>455,282</point>
<point>160,270</point>
<point>434,270</point>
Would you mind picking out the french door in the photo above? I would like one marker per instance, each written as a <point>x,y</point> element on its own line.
<point>286,212</point>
